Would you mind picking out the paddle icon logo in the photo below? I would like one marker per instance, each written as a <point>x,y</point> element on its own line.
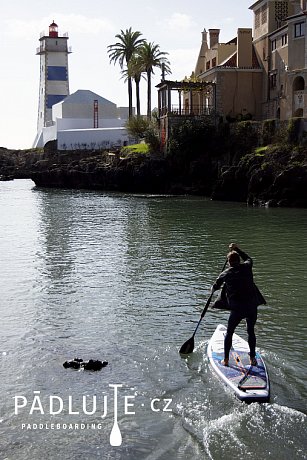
<point>115,436</point>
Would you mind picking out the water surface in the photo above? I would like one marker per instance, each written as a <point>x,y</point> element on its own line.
<point>124,278</point>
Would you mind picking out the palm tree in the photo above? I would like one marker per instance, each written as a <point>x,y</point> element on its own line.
<point>135,70</point>
<point>152,57</point>
<point>122,51</point>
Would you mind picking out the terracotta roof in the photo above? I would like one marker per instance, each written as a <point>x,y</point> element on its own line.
<point>232,61</point>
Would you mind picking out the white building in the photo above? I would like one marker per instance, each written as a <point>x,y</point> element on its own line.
<point>82,120</point>
<point>85,120</point>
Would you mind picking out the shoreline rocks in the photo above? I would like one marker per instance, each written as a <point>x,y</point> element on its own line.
<point>276,178</point>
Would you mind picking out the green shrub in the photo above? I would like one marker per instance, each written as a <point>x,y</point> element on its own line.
<point>152,138</point>
<point>260,151</point>
<point>268,131</point>
<point>246,135</point>
<point>137,126</point>
<point>191,137</point>
<point>293,130</point>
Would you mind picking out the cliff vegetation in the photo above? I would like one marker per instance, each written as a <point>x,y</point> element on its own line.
<point>259,163</point>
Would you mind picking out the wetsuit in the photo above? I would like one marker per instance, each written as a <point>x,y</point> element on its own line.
<point>241,298</point>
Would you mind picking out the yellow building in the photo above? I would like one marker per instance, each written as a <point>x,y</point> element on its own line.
<point>261,73</point>
<point>236,71</point>
<point>280,42</point>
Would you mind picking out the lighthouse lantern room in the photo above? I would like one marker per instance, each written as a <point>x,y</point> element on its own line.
<point>53,30</point>
<point>54,83</point>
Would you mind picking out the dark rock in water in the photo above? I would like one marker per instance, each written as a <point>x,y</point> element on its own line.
<point>91,365</point>
<point>94,365</point>
<point>271,204</point>
<point>73,364</point>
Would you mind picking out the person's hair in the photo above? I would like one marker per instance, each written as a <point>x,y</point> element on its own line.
<point>233,258</point>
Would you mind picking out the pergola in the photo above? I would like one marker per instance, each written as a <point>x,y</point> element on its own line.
<point>194,98</point>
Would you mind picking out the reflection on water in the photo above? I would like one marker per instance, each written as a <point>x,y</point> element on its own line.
<point>124,278</point>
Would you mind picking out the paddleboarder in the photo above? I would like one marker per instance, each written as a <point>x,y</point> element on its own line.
<point>242,298</point>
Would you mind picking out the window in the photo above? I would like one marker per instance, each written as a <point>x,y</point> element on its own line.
<point>284,39</point>
<point>273,44</point>
<point>281,12</point>
<point>273,80</point>
<point>299,29</point>
<point>257,19</point>
<point>263,54</point>
<point>281,91</point>
<point>299,84</point>
<point>264,15</point>
<point>214,62</point>
<point>207,65</point>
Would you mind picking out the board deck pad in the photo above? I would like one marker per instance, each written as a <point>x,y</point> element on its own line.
<point>250,383</point>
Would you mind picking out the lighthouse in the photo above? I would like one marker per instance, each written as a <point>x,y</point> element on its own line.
<point>54,82</point>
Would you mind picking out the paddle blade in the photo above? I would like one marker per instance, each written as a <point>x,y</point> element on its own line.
<point>187,347</point>
<point>115,436</point>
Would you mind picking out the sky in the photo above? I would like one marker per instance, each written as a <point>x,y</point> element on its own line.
<point>175,25</point>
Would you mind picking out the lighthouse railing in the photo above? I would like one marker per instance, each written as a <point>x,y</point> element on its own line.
<point>46,34</point>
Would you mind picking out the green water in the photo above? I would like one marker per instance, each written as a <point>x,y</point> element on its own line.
<point>124,278</point>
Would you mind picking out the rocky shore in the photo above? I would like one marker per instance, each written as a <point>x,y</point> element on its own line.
<point>110,171</point>
<point>275,175</point>
<point>271,176</point>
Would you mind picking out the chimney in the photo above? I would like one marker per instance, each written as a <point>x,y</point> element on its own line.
<point>244,48</point>
<point>213,37</point>
<point>204,35</point>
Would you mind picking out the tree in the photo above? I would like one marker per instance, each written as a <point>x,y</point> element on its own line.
<point>122,51</point>
<point>137,127</point>
<point>152,57</point>
<point>135,70</point>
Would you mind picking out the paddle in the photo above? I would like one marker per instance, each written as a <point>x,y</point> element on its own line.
<point>188,346</point>
<point>115,436</point>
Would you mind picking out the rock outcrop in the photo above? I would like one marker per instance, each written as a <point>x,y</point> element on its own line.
<point>270,176</point>
<point>277,177</point>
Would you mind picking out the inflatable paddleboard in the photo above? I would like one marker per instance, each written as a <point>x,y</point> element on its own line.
<point>249,383</point>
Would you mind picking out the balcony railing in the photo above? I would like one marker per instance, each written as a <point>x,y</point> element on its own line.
<point>46,34</point>
<point>194,111</point>
<point>42,49</point>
